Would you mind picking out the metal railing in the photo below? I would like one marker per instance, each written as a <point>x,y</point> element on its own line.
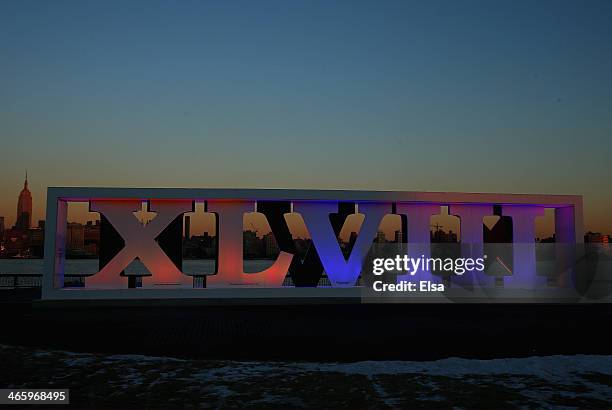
<point>34,280</point>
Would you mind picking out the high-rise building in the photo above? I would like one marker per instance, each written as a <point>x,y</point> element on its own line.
<point>24,207</point>
<point>270,245</point>
<point>187,227</point>
<point>398,238</point>
<point>251,244</point>
<point>75,236</point>
<point>595,237</point>
<point>91,237</point>
<point>1,225</point>
<point>352,239</point>
<point>36,242</point>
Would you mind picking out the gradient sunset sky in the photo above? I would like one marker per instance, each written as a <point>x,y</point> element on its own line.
<point>491,96</point>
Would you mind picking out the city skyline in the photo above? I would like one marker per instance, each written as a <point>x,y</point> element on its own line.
<point>79,213</point>
<point>446,97</point>
<point>201,223</point>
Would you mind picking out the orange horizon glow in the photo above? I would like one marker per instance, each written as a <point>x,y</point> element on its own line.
<point>202,222</point>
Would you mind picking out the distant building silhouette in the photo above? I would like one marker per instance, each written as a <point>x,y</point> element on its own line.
<point>440,236</point>
<point>75,237</point>
<point>187,227</point>
<point>24,207</point>
<point>352,239</point>
<point>270,245</point>
<point>36,242</point>
<point>252,246</point>
<point>91,238</point>
<point>596,237</point>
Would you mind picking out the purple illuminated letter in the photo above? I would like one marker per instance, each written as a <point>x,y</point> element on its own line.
<point>341,273</point>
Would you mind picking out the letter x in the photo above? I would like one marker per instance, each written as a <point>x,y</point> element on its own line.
<point>140,240</point>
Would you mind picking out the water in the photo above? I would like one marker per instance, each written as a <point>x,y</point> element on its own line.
<point>122,381</point>
<point>90,266</point>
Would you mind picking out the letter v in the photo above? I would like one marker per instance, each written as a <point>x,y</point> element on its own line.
<point>341,273</point>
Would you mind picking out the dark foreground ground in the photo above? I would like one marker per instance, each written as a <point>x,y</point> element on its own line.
<point>135,381</point>
<point>296,331</point>
<point>188,355</point>
<point>324,330</point>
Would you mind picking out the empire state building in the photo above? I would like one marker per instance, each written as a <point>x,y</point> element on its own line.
<point>24,207</point>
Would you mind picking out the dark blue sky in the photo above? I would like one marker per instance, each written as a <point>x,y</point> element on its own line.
<point>440,96</point>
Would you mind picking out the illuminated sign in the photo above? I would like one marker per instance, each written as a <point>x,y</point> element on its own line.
<point>324,213</point>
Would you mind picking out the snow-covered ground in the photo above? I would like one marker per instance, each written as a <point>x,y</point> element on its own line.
<point>136,380</point>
